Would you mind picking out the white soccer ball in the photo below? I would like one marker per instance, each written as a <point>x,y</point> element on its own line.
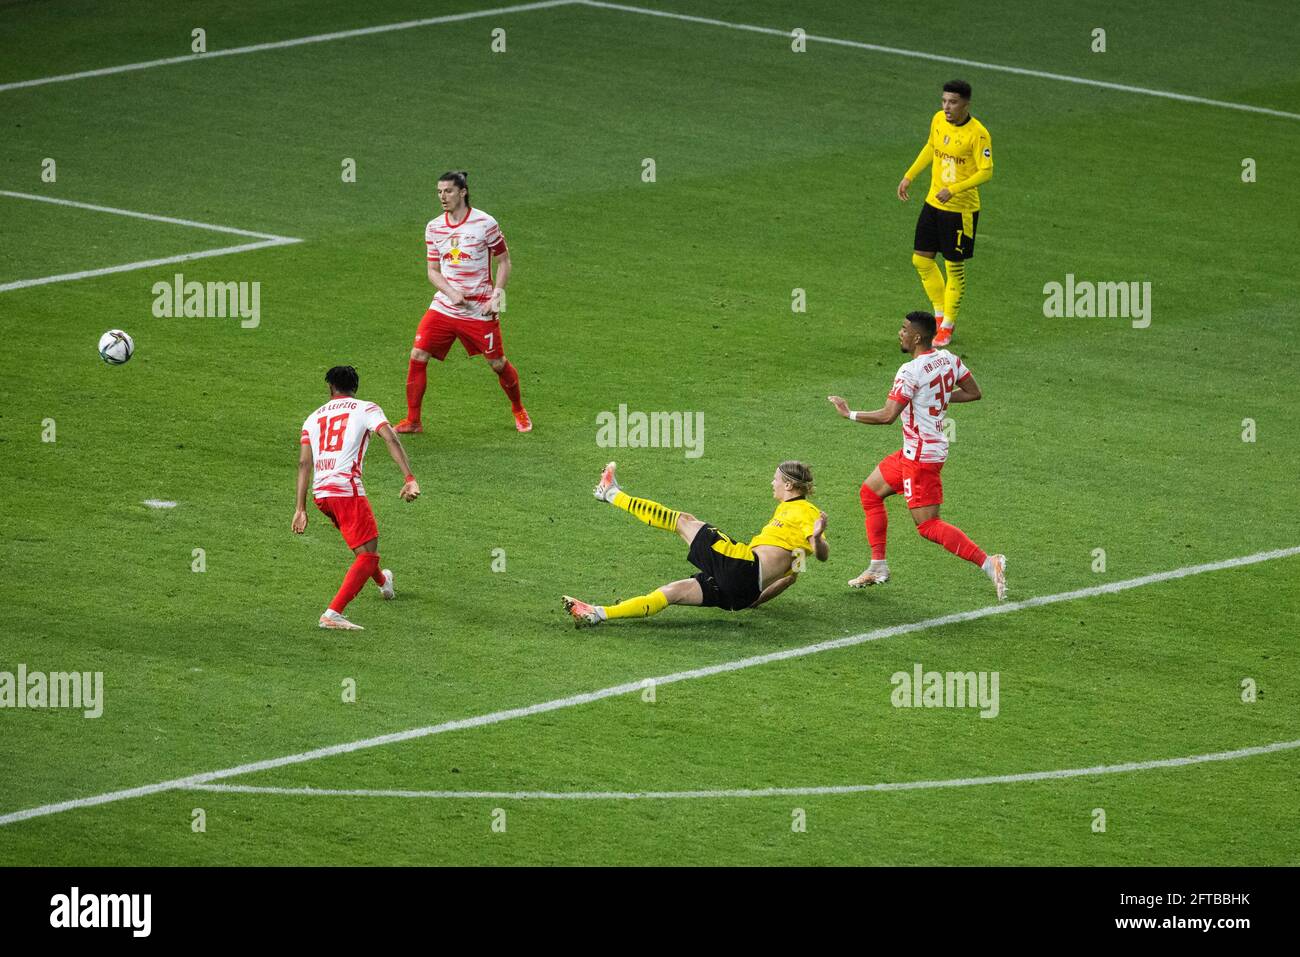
<point>115,347</point>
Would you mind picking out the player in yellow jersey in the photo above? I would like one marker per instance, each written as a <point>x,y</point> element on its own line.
<point>960,156</point>
<point>732,575</point>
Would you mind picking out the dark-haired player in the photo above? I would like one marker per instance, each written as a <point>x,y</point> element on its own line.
<point>333,448</point>
<point>960,156</point>
<point>923,387</point>
<point>461,244</point>
<point>732,575</point>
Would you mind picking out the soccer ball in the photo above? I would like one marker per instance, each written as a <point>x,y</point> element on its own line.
<point>115,347</point>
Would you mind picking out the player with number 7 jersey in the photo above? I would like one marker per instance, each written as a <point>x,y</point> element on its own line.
<point>332,452</point>
<point>923,388</point>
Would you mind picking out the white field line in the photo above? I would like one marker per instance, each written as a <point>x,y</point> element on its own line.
<point>265,240</point>
<point>625,8</point>
<point>283,44</point>
<point>757,792</point>
<point>556,704</point>
<point>939,58</point>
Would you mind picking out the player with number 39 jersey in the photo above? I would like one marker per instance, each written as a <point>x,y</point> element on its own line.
<point>923,388</point>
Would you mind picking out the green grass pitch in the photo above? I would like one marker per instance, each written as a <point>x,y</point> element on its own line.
<point>774,171</point>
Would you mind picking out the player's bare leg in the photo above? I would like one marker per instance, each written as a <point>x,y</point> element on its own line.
<point>874,491</point>
<point>684,592</point>
<point>508,376</point>
<point>416,380</point>
<point>955,540</point>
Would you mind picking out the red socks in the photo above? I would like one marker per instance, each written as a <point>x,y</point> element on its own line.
<point>417,377</point>
<point>877,522</point>
<point>364,567</point>
<point>509,379</point>
<point>952,538</point>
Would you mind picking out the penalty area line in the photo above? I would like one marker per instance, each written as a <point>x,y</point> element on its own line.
<point>941,58</point>
<point>284,44</point>
<point>264,241</point>
<point>556,704</point>
<point>831,790</point>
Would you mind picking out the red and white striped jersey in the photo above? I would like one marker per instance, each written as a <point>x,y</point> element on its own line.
<point>464,252</point>
<point>923,385</point>
<point>337,433</point>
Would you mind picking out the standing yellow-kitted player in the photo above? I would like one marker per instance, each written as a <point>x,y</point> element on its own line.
<point>960,155</point>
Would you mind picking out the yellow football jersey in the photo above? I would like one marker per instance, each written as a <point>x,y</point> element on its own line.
<point>790,527</point>
<point>961,158</point>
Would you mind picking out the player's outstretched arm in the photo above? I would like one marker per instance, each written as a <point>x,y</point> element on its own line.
<point>304,480</point>
<point>410,488</point>
<point>885,415</point>
<point>967,390</point>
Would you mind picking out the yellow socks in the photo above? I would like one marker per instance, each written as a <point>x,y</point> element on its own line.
<point>954,290</point>
<point>652,513</point>
<point>932,280</point>
<point>643,607</point>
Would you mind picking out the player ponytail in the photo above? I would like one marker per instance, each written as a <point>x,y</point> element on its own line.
<point>460,178</point>
<point>797,475</point>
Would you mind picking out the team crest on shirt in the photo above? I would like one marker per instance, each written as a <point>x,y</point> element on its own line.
<point>456,254</point>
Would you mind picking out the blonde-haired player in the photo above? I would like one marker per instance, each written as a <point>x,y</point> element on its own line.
<point>733,575</point>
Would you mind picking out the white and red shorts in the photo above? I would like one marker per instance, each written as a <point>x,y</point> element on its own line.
<point>918,482</point>
<point>437,331</point>
<point>352,516</point>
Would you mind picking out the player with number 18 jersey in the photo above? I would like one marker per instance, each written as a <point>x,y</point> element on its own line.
<point>332,453</point>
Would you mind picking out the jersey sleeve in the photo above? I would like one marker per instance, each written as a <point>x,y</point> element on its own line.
<point>306,433</point>
<point>960,368</point>
<point>496,242</point>
<point>984,151</point>
<point>903,388</point>
<point>983,156</point>
<point>430,244</point>
<point>374,417</point>
<point>923,158</point>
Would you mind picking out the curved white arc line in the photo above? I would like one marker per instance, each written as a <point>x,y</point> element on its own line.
<point>833,789</point>
<point>638,685</point>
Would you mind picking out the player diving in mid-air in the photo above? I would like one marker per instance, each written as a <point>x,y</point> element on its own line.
<point>733,575</point>
<point>923,388</point>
